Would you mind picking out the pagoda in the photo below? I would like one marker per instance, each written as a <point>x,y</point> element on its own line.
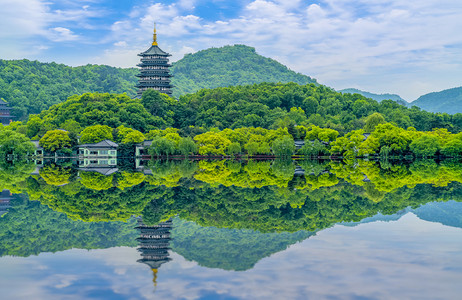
<point>154,245</point>
<point>5,116</point>
<point>154,73</point>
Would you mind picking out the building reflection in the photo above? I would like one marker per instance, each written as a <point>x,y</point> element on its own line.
<point>5,199</point>
<point>154,244</point>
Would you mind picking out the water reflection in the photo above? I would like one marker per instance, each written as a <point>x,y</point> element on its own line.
<point>154,245</point>
<point>221,215</point>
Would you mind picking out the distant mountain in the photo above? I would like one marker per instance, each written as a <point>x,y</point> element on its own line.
<point>447,213</point>
<point>229,66</point>
<point>377,97</point>
<point>447,101</point>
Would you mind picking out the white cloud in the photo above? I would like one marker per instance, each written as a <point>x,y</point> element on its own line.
<point>61,34</point>
<point>406,47</point>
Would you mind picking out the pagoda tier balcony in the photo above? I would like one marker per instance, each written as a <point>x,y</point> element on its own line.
<point>143,65</point>
<point>153,82</point>
<point>147,74</point>
<point>150,73</point>
<point>154,61</point>
<point>163,88</point>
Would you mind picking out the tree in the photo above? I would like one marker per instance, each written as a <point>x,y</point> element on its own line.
<point>161,146</point>
<point>234,148</point>
<point>187,146</point>
<point>425,146</point>
<point>372,121</point>
<point>284,146</point>
<point>453,148</point>
<point>55,140</point>
<point>134,137</point>
<point>212,143</point>
<point>96,134</point>
<point>252,148</point>
<point>14,143</point>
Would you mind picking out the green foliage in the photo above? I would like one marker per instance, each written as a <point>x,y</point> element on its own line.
<point>162,146</point>
<point>54,140</point>
<point>234,148</point>
<point>228,249</point>
<point>96,134</point>
<point>31,87</point>
<point>30,228</point>
<point>14,144</point>
<point>187,146</point>
<point>315,148</point>
<point>55,174</point>
<point>372,121</point>
<point>425,146</point>
<point>93,109</point>
<point>284,146</point>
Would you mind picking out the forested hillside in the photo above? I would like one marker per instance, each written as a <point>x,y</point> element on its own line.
<point>267,105</point>
<point>447,101</point>
<point>377,97</point>
<point>31,86</point>
<point>229,66</point>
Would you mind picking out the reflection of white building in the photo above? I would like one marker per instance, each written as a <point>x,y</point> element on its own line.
<point>97,162</point>
<point>105,149</point>
<point>142,148</point>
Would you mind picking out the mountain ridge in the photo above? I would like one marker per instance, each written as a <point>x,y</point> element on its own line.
<point>445,101</point>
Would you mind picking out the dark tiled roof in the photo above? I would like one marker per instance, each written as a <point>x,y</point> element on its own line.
<point>102,144</point>
<point>154,50</point>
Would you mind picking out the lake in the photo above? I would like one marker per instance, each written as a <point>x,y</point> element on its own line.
<point>231,230</point>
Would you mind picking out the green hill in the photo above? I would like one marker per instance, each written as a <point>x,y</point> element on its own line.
<point>31,86</point>
<point>229,66</point>
<point>447,101</point>
<point>377,97</point>
<point>229,249</point>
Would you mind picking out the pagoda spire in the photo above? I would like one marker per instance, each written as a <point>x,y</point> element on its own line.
<point>154,37</point>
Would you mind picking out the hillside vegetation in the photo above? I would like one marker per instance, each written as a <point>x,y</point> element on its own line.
<point>447,101</point>
<point>229,66</point>
<point>31,86</point>
<point>266,105</point>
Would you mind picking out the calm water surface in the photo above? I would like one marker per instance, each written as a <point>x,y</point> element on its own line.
<point>226,230</point>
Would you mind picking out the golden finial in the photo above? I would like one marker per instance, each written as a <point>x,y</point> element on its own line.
<point>154,40</point>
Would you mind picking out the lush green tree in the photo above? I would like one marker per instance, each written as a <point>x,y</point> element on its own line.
<point>234,148</point>
<point>187,146</point>
<point>372,121</point>
<point>55,140</point>
<point>425,146</point>
<point>96,134</point>
<point>212,143</point>
<point>14,144</point>
<point>161,146</point>
<point>452,148</point>
<point>283,146</point>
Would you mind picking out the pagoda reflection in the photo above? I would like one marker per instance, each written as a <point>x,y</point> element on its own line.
<point>154,244</point>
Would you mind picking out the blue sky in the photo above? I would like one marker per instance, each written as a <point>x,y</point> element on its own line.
<point>397,46</point>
